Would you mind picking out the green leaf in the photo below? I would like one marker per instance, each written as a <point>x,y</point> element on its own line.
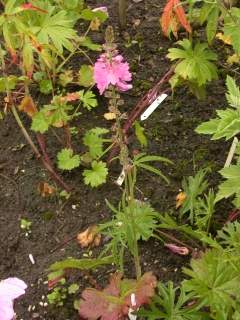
<point>56,29</point>
<point>233,95</point>
<point>212,23</point>
<point>88,99</point>
<point>88,14</point>
<point>82,264</point>
<point>87,42</point>
<point>85,76</point>
<point>40,123</point>
<point>73,288</point>
<point>97,175</point>
<point>45,86</point>
<point>66,159</point>
<point>139,131</point>
<point>94,141</point>
<point>232,184</point>
<point>231,27</point>
<point>194,63</point>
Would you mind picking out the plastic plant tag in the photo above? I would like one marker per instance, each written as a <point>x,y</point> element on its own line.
<point>121,178</point>
<point>153,106</point>
<point>133,303</point>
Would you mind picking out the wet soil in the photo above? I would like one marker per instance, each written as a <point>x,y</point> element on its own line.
<point>55,221</point>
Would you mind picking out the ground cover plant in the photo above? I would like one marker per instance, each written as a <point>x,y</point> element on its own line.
<point>115,202</point>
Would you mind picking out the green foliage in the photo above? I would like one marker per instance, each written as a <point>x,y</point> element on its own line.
<point>55,114</point>
<point>215,281</point>
<point>172,304</point>
<point>227,124</point>
<point>97,175</point>
<point>231,186</point>
<point>194,62</point>
<point>139,131</point>
<point>231,27</point>
<point>57,296</point>
<point>45,86</point>
<point>129,223</point>
<point>209,13</point>
<point>142,160</point>
<point>88,99</point>
<point>94,141</point>
<point>81,264</point>
<point>193,187</point>
<point>229,236</point>
<point>66,159</point>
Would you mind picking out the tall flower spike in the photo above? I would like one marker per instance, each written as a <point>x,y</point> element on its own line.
<point>112,71</point>
<point>10,289</point>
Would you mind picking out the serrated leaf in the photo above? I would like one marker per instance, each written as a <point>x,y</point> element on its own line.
<point>97,175</point>
<point>232,185</point>
<point>87,42</point>
<point>231,27</point>
<point>66,159</point>
<point>194,63</point>
<point>94,141</point>
<point>88,14</point>
<point>88,99</point>
<point>40,123</point>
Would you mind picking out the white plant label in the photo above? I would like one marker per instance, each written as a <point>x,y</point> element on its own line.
<point>132,316</point>
<point>153,106</point>
<point>121,178</point>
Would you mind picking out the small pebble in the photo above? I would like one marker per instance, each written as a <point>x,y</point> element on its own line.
<point>41,303</point>
<point>31,258</point>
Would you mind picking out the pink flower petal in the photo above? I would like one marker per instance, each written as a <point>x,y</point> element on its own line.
<point>103,9</point>
<point>183,251</point>
<point>114,71</point>
<point>6,309</point>
<point>12,288</point>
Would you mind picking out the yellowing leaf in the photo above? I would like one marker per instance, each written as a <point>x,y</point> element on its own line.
<point>180,198</point>
<point>95,24</point>
<point>89,237</point>
<point>109,116</point>
<point>45,189</point>
<point>223,38</point>
<point>235,58</point>
<point>27,105</point>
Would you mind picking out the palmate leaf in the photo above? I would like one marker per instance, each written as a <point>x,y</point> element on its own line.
<point>97,175</point>
<point>94,141</point>
<point>195,63</point>
<point>171,304</point>
<point>66,159</point>
<point>231,28</point>
<point>215,281</point>
<point>55,29</point>
<point>229,235</point>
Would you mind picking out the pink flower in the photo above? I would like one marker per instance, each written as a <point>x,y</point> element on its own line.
<point>103,9</point>
<point>114,71</point>
<point>183,251</point>
<point>10,289</point>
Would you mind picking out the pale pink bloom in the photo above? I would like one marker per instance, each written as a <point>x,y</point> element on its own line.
<point>10,289</point>
<point>103,9</point>
<point>114,71</point>
<point>183,251</point>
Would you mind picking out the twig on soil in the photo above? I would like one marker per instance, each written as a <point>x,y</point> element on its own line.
<point>166,235</point>
<point>231,152</point>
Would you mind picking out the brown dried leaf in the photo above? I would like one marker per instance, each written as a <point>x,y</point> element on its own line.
<point>27,105</point>
<point>95,24</point>
<point>46,189</point>
<point>89,237</point>
<point>180,198</point>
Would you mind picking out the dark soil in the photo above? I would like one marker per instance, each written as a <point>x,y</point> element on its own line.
<point>171,134</point>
